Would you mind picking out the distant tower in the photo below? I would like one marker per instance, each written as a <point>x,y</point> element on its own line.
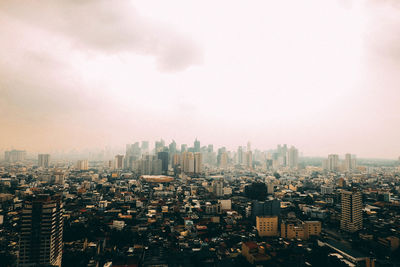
<point>40,242</point>
<point>333,162</point>
<point>292,158</point>
<point>82,165</point>
<point>164,157</point>
<point>198,162</point>
<point>351,216</point>
<point>43,160</point>
<point>119,162</point>
<point>196,146</point>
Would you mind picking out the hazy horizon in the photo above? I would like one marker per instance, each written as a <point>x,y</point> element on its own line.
<point>323,76</point>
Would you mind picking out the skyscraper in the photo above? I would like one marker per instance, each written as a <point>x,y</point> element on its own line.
<point>349,163</point>
<point>196,145</point>
<point>164,157</point>
<point>41,233</point>
<point>15,155</point>
<point>119,162</point>
<point>292,158</point>
<point>82,165</point>
<point>198,162</point>
<point>351,216</point>
<point>332,163</point>
<point>43,160</point>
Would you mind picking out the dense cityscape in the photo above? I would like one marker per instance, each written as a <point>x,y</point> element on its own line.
<point>170,133</point>
<point>199,206</point>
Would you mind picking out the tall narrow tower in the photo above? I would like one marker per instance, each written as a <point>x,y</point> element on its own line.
<point>41,233</point>
<point>351,220</point>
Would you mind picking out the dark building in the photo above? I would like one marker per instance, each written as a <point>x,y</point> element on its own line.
<point>41,233</point>
<point>265,208</point>
<point>164,157</point>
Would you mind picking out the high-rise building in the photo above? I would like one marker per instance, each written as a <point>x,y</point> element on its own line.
<point>43,160</point>
<point>249,159</point>
<point>223,160</point>
<point>332,164</point>
<point>172,148</point>
<point>164,157</point>
<point>40,242</point>
<point>349,163</point>
<point>82,165</point>
<point>145,146</point>
<point>119,162</point>
<point>292,158</point>
<point>183,148</point>
<point>351,215</point>
<point>240,155</point>
<point>198,162</point>
<point>196,145</point>
<point>188,162</point>
<point>14,155</point>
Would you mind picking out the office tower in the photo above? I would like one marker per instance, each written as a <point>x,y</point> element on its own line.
<point>351,215</point>
<point>332,164</point>
<point>119,162</point>
<point>176,160</point>
<point>210,148</point>
<point>223,160</point>
<point>14,156</point>
<point>267,225</point>
<point>150,165</point>
<point>188,162</point>
<point>183,148</point>
<point>292,158</point>
<point>159,146</point>
<point>145,146</point>
<point>164,157</point>
<point>349,163</point>
<point>82,165</point>
<point>196,145</point>
<point>198,162</point>
<point>270,207</point>
<point>172,148</point>
<point>240,155</point>
<point>43,160</point>
<point>41,233</point>
<point>248,146</point>
<point>283,155</point>
<point>249,160</point>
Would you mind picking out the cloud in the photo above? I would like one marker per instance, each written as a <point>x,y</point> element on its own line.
<point>107,26</point>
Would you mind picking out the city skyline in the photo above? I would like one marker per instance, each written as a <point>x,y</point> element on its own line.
<point>322,76</point>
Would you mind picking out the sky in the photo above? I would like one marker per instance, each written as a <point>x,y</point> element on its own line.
<point>323,76</point>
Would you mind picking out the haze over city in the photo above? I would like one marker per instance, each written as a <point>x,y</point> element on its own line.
<point>322,75</point>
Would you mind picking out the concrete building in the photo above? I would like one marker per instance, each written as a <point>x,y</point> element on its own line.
<point>351,215</point>
<point>44,160</point>
<point>267,225</point>
<point>41,232</point>
<point>82,165</point>
<point>296,229</point>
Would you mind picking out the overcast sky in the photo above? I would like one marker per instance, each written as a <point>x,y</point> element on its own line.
<point>321,75</point>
